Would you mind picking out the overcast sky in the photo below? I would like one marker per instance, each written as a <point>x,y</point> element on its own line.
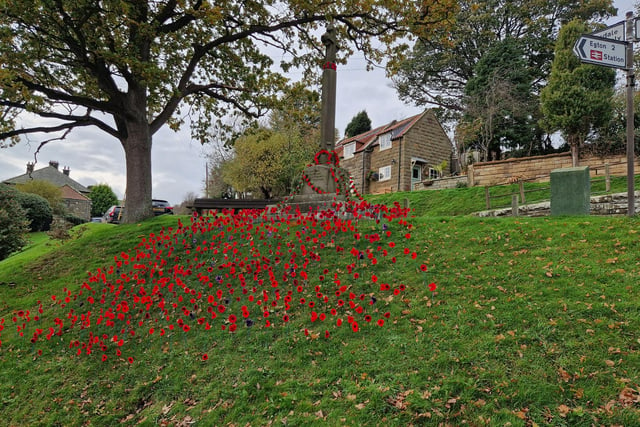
<point>179,163</point>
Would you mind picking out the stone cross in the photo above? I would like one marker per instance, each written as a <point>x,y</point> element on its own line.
<point>328,118</point>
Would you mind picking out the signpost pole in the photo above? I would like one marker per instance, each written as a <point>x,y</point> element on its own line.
<point>630,116</point>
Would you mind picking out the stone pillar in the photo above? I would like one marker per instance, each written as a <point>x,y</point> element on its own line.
<point>328,117</point>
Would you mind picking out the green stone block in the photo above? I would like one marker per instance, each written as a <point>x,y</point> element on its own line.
<point>570,191</point>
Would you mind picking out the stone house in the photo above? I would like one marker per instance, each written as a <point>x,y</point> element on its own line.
<point>397,155</point>
<point>75,196</point>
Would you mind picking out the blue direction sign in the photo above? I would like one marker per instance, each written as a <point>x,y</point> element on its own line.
<point>602,51</point>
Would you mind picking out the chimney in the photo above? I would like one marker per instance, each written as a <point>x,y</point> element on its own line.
<point>66,170</point>
<point>54,163</point>
<point>30,168</point>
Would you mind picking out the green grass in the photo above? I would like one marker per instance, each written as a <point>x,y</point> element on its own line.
<point>533,321</point>
<point>465,201</point>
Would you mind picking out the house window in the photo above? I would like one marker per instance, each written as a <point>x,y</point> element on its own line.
<point>385,141</point>
<point>433,174</point>
<point>416,173</point>
<point>384,173</point>
<point>349,150</point>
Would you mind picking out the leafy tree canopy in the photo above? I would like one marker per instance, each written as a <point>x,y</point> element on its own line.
<point>128,67</point>
<point>499,109</point>
<point>102,198</point>
<point>441,63</point>
<point>359,124</point>
<point>269,158</point>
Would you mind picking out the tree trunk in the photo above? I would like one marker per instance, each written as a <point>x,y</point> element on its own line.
<point>137,150</point>
<point>574,143</point>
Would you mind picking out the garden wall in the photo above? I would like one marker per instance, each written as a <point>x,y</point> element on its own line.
<point>538,168</point>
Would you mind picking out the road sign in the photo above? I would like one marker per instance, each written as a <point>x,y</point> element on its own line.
<point>601,51</point>
<point>613,32</point>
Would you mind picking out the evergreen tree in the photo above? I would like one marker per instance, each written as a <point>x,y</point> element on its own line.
<point>578,99</point>
<point>360,123</point>
<point>436,72</point>
<point>500,105</point>
<point>102,198</point>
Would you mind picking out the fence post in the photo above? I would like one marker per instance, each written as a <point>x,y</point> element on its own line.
<point>487,198</point>
<point>607,177</point>
<point>521,185</point>
<point>514,205</point>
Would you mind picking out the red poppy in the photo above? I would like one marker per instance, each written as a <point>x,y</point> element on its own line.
<point>205,357</point>
<point>130,359</point>
<point>432,287</point>
<point>423,267</point>
<point>285,318</point>
<point>380,322</point>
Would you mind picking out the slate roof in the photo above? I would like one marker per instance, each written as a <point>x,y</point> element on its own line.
<point>370,138</point>
<point>50,174</point>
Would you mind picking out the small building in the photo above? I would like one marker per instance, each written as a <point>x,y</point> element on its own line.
<point>75,196</point>
<point>397,155</point>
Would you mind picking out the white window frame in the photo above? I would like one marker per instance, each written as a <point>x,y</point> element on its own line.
<point>385,141</point>
<point>384,173</point>
<point>350,150</point>
<point>433,174</point>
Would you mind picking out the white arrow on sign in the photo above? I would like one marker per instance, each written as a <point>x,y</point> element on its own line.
<point>601,51</point>
<point>613,32</point>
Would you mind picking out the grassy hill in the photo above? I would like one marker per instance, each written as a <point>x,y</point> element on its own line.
<point>532,321</point>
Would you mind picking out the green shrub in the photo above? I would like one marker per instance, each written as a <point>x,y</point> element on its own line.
<point>49,191</point>
<point>74,220</point>
<point>13,222</point>
<point>102,198</point>
<point>38,210</point>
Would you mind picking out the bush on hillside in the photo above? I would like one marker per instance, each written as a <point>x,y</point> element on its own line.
<point>49,191</point>
<point>38,210</point>
<point>102,198</point>
<point>13,222</point>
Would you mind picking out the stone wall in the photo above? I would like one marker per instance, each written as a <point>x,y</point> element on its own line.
<point>441,183</point>
<point>538,168</point>
<point>608,204</point>
<point>79,208</point>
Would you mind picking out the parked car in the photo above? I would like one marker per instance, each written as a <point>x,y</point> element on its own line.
<point>161,207</point>
<point>112,215</point>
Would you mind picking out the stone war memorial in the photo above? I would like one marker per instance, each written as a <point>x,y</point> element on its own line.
<point>324,184</point>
